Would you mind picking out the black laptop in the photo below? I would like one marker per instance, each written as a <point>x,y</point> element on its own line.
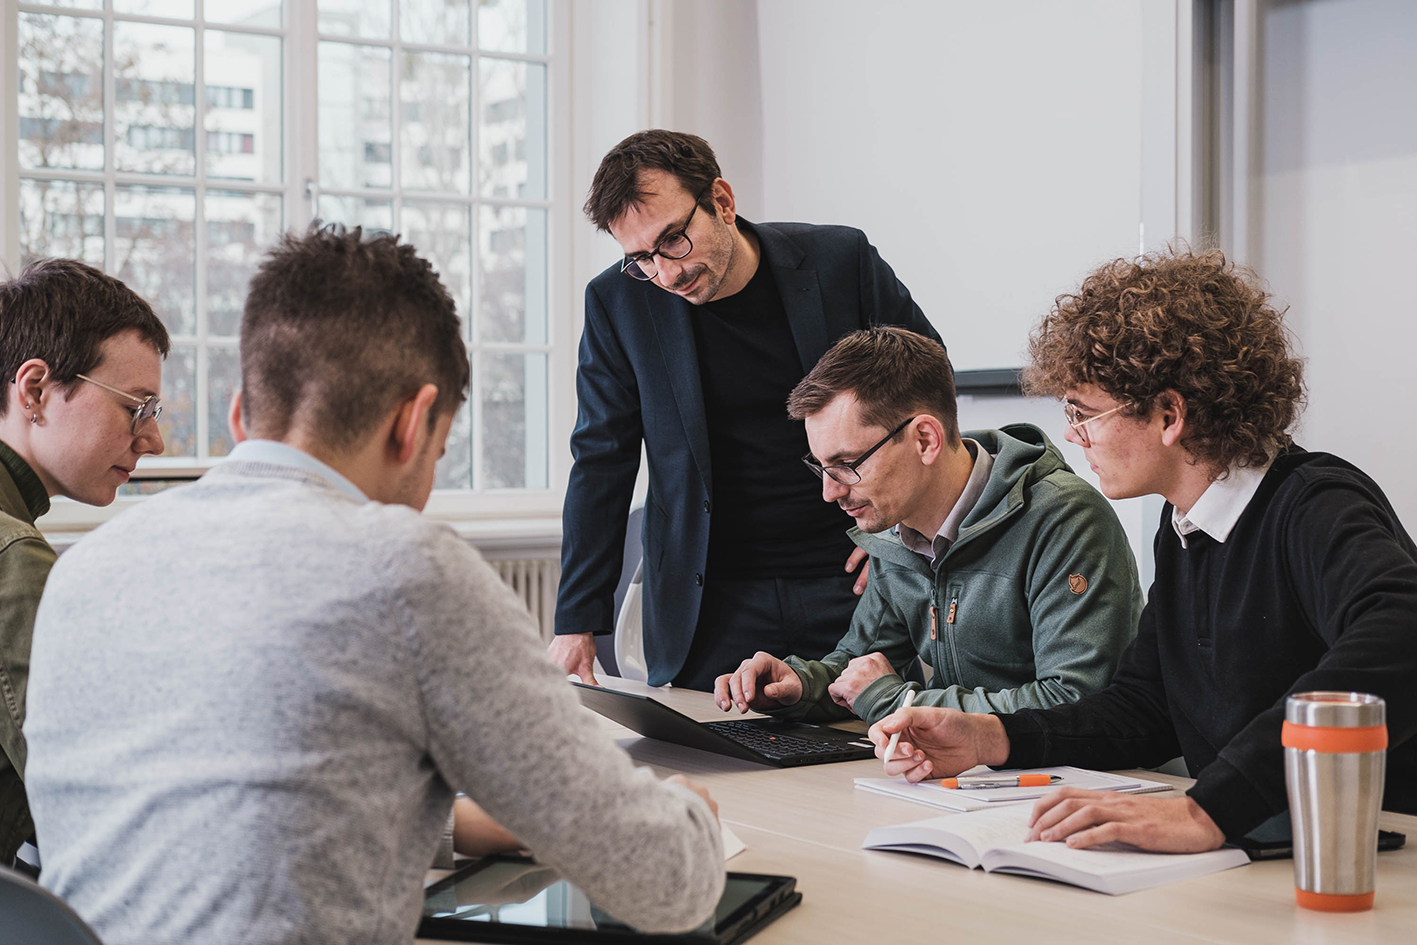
<point>766,741</point>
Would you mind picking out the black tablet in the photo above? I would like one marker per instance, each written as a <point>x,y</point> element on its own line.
<point>508,899</point>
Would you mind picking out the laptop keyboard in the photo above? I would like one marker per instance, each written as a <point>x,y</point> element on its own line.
<point>746,733</point>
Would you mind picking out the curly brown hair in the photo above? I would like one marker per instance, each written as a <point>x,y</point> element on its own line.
<point>1190,322</point>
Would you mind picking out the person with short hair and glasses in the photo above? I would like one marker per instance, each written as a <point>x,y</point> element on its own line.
<point>1005,573</point>
<point>81,355</point>
<point>692,342</point>
<point>1278,570</point>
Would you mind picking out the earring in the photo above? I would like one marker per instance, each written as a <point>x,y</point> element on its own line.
<point>33,416</point>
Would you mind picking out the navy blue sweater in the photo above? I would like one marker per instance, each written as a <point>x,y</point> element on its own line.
<point>1315,588</point>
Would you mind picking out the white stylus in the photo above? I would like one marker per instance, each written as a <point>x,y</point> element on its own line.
<point>895,739</point>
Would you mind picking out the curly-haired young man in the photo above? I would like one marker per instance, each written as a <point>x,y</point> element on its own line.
<point>1278,570</point>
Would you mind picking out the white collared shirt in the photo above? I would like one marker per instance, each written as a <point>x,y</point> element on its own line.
<point>1220,505</point>
<point>283,454</point>
<point>949,529</point>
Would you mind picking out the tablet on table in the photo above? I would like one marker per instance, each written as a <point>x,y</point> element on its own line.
<point>510,899</point>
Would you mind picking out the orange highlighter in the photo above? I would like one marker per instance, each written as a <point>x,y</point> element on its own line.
<point>982,781</point>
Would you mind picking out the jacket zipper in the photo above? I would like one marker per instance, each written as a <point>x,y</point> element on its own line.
<point>950,616</point>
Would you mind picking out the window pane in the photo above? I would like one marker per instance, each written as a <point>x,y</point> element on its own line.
<point>61,218</point>
<point>441,233</point>
<point>368,18</point>
<point>175,9</point>
<point>511,134</point>
<point>243,120</point>
<point>455,467</point>
<point>154,248</point>
<point>61,91</point>
<point>511,274</point>
<point>223,377</point>
<point>512,25</point>
<point>356,211</point>
<point>356,137</point>
<point>243,13</point>
<point>240,228</point>
<point>154,110</point>
<point>435,92</point>
<point>513,420</point>
<point>178,422</point>
<point>76,4</point>
<point>441,22</point>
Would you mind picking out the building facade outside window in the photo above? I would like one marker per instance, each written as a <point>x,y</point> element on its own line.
<point>430,118</point>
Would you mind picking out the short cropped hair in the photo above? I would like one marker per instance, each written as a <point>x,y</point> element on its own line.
<point>1190,322</point>
<point>892,372</point>
<point>61,311</point>
<point>616,189</point>
<point>340,326</point>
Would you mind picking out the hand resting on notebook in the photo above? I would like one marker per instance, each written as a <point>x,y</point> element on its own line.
<point>1089,818</point>
<point>941,743</point>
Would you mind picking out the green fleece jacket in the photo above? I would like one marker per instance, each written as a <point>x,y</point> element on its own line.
<point>25,560</point>
<point>1030,607</point>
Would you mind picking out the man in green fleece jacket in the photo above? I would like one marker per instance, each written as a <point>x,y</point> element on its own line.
<point>990,559</point>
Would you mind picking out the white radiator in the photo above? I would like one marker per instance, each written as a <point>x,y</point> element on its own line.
<point>535,581</point>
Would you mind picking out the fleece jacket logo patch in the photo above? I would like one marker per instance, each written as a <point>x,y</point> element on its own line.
<point>1077,583</point>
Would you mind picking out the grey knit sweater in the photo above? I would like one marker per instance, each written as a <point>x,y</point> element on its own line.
<point>252,698</point>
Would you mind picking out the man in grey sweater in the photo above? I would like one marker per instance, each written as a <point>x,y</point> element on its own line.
<point>253,698</point>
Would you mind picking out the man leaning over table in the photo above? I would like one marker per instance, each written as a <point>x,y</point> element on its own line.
<point>990,559</point>
<point>252,698</point>
<point>692,343</point>
<point>1278,570</point>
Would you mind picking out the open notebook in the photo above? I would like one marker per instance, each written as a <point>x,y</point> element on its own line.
<point>993,839</point>
<point>931,793</point>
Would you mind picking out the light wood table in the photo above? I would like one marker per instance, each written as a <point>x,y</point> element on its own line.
<point>809,822</point>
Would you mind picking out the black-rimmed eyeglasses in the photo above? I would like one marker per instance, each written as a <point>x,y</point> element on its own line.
<point>845,473</point>
<point>674,246</point>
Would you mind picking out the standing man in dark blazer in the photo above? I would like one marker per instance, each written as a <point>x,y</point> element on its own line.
<point>692,343</point>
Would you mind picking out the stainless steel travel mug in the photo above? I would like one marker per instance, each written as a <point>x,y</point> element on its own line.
<point>1335,756</point>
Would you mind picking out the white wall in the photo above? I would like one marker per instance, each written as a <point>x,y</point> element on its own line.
<point>1336,234</point>
<point>712,87</point>
<point>992,152</point>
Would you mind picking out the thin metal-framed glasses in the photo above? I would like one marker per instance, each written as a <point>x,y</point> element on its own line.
<point>674,246</point>
<point>845,473</point>
<point>1079,423</point>
<point>148,407</point>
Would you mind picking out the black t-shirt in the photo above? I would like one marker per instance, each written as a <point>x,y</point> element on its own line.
<point>768,518</point>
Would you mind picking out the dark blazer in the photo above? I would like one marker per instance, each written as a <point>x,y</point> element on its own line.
<point>639,380</point>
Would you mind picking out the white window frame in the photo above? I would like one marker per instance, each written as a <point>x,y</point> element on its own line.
<point>479,508</point>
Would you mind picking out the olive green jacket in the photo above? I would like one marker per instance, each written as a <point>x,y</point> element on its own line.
<point>25,560</point>
<point>1030,607</point>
